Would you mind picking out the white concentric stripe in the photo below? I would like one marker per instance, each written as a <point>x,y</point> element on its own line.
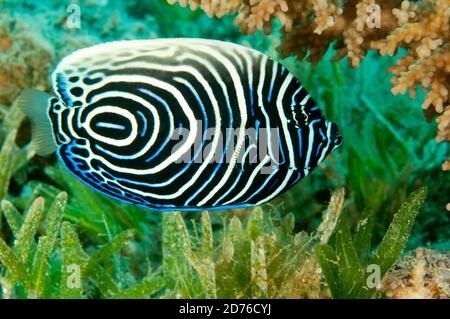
<point>166,106</point>
<point>69,119</point>
<point>305,100</point>
<point>184,105</point>
<point>293,104</point>
<point>193,127</point>
<point>262,76</point>
<point>274,75</point>
<point>115,110</point>
<point>235,59</point>
<point>143,65</point>
<point>212,69</point>
<point>243,114</point>
<point>247,152</point>
<point>328,141</point>
<point>214,102</point>
<point>281,94</point>
<point>113,50</point>
<point>250,181</point>
<point>262,187</point>
<point>110,49</point>
<point>283,89</point>
<point>144,103</point>
<point>279,189</point>
<point>120,62</point>
<point>181,68</point>
<point>249,62</point>
<point>311,134</point>
<point>217,77</point>
<point>208,42</point>
<point>161,52</point>
<point>61,132</point>
<point>217,132</point>
<point>50,109</point>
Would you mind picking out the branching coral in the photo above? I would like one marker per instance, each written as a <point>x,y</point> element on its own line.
<point>354,27</point>
<point>424,28</point>
<point>211,7</point>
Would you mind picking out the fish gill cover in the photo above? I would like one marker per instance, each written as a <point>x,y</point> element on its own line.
<point>335,234</point>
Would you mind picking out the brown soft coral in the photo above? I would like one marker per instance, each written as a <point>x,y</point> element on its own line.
<point>424,29</point>
<point>217,8</point>
<point>355,26</point>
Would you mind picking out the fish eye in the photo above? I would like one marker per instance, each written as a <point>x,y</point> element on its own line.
<point>338,141</point>
<point>336,135</point>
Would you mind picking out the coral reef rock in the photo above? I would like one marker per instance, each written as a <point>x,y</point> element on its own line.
<point>425,274</point>
<point>25,58</point>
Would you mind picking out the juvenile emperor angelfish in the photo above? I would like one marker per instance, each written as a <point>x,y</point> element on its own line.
<point>180,124</point>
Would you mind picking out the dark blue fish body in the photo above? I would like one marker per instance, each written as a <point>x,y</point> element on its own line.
<point>181,124</point>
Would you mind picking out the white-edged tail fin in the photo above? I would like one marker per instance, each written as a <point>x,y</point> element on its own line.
<point>34,104</point>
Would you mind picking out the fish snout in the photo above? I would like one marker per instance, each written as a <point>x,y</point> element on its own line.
<point>336,136</point>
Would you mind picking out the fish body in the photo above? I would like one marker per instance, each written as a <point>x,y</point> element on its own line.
<point>180,124</point>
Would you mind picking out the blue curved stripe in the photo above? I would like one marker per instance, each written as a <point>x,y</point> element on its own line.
<point>166,106</point>
<point>196,209</point>
<point>144,129</point>
<point>101,189</point>
<point>319,147</point>
<point>252,101</point>
<point>272,82</point>
<point>230,123</point>
<point>217,167</point>
<point>300,138</point>
<point>61,87</point>
<point>229,189</point>
<point>185,167</point>
<point>110,125</point>
<point>280,146</point>
<point>296,180</point>
<point>262,186</point>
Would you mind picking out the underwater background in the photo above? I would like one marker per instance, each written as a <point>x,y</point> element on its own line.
<point>60,239</point>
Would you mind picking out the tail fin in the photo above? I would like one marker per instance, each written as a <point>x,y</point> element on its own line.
<point>34,104</point>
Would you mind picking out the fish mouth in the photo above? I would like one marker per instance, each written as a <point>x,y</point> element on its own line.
<point>336,135</point>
